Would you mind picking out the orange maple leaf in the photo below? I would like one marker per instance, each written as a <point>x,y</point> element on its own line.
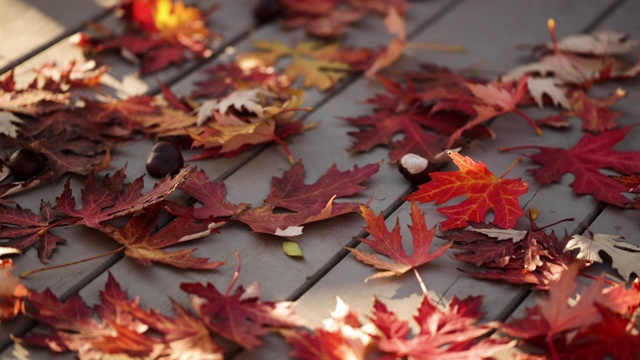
<point>484,191</point>
<point>389,243</point>
<point>174,20</point>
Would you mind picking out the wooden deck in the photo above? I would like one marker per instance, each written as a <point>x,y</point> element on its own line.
<point>32,32</point>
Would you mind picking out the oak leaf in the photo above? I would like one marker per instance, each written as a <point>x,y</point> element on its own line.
<point>584,160</point>
<point>389,243</point>
<point>483,190</point>
<point>444,333</point>
<point>625,257</point>
<point>146,248</point>
<point>240,316</point>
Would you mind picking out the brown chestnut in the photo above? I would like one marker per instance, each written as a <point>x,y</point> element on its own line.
<point>25,163</point>
<point>164,159</point>
<point>415,168</point>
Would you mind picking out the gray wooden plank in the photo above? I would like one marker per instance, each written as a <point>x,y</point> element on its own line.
<point>267,259</point>
<point>256,247</point>
<point>27,26</point>
<point>494,32</point>
<point>440,276</point>
<point>612,220</point>
<point>67,280</point>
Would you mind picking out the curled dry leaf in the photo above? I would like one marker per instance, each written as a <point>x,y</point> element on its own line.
<point>515,256</point>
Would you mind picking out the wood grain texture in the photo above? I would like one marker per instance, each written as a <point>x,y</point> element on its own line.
<point>490,30</point>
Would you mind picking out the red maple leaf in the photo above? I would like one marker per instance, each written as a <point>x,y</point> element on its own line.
<point>212,196</point>
<point>159,33</point>
<point>185,335</point>
<point>74,328</point>
<point>516,256</point>
<point>584,161</point>
<point>342,336</point>
<point>23,229</point>
<point>409,111</point>
<point>306,203</point>
<point>434,102</point>
<point>596,114</point>
<point>445,333</point>
<point>329,18</point>
<point>222,79</point>
<point>146,248</point>
<point>390,244</point>
<point>555,318</point>
<point>483,189</point>
<point>114,198</point>
<point>240,316</point>
<point>613,336</point>
<point>118,326</point>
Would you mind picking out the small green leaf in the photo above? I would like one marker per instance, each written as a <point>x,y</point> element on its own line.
<point>292,249</point>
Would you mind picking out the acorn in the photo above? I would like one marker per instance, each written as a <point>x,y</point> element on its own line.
<point>416,169</point>
<point>164,159</point>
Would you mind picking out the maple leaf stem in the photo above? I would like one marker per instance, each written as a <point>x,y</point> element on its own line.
<point>555,223</point>
<point>67,221</point>
<point>438,47</point>
<point>529,120</point>
<point>607,281</point>
<point>524,147</point>
<point>513,165</point>
<point>31,272</point>
<point>236,275</point>
<point>286,149</point>
<point>551,24</point>
<point>420,281</point>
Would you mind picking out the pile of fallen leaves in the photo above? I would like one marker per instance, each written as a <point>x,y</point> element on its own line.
<point>64,119</point>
